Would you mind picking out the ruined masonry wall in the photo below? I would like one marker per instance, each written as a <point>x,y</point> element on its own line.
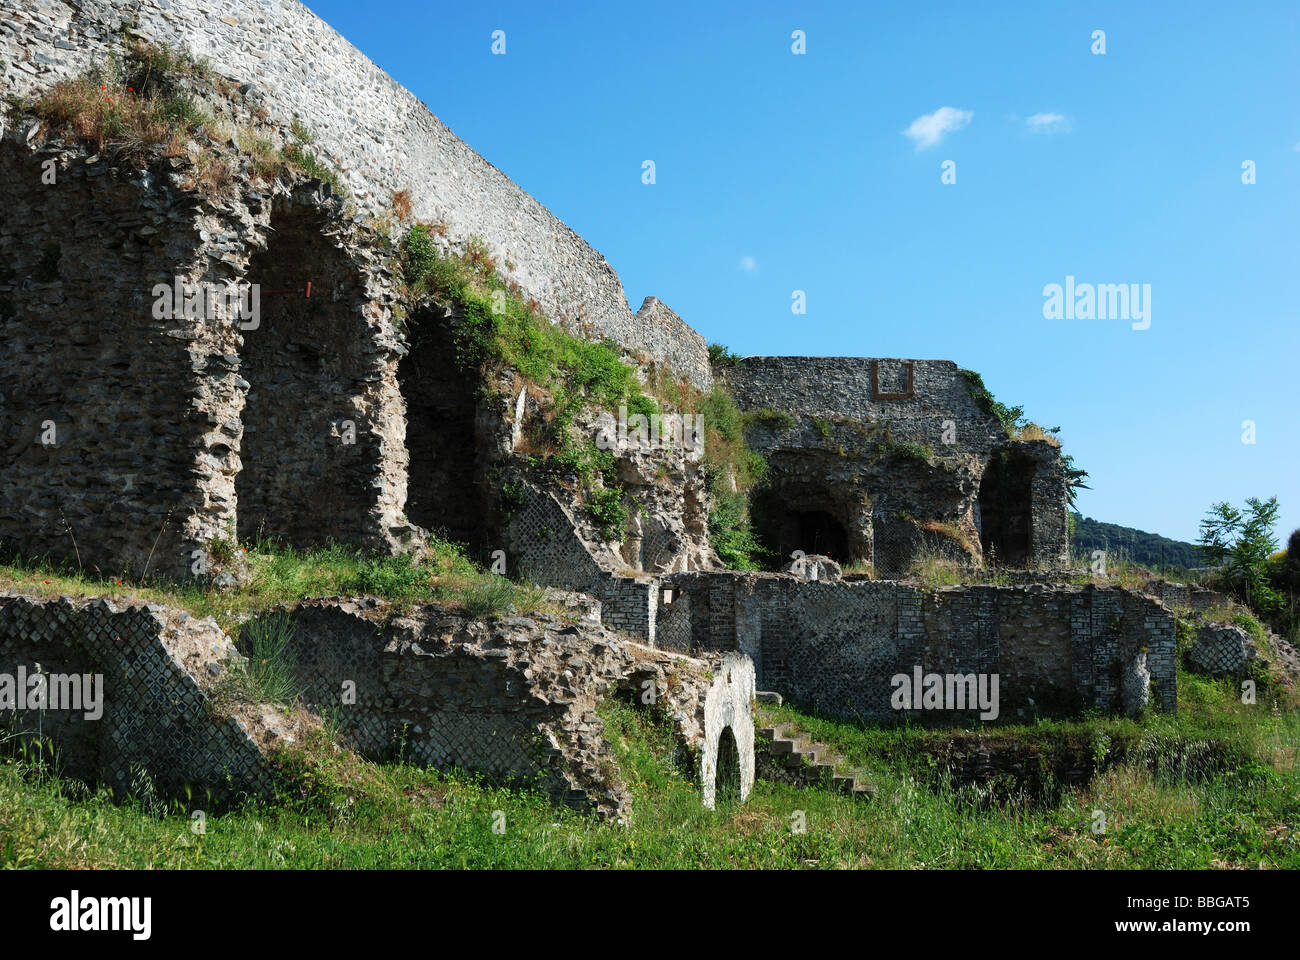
<point>369,126</point>
<point>543,546</point>
<point>841,386</point>
<point>833,646</point>
<point>512,697</point>
<point>158,711</point>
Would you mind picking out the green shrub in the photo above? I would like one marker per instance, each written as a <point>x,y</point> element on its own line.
<point>608,511</point>
<point>773,419</point>
<point>267,675</point>
<point>720,356</point>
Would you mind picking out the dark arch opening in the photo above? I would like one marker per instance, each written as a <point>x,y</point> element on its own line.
<point>440,437</point>
<point>782,529</point>
<point>301,482</point>
<point>1006,509</point>
<point>726,784</point>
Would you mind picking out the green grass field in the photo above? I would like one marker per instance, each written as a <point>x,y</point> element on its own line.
<point>1166,804</point>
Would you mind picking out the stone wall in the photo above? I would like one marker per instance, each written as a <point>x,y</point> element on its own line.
<point>834,646</point>
<point>914,397</point>
<point>99,434</point>
<point>513,698</point>
<point>163,727</point>
<point>136,435</point>
<point>882,460</point>
<point>367,125</point>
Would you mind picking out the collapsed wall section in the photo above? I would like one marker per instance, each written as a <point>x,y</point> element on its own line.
<point>163,709</point>
<point>513,697</point>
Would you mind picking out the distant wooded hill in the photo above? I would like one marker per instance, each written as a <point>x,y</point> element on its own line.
<point>1149,549</point>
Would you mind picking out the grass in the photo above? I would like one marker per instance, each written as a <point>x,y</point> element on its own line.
<point>280,574</point>
<point>134,108</point>
<point>1033,431</point>
<point>775,420</point>
<point>266,676</point>
<point>934,567</point>
<point>336,811</point>
<point>887,447</point>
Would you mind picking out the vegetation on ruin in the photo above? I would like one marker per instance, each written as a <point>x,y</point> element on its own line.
<point>732,469</point>
<point>266,675</point>
<point>140,104</point>
<point>773,419</point>
<point>721,356</point>
<point>1017,427</point>
<point>498,328</point>
<point>278,574</point>
<point>1215,786</point>
<point>933,567</point>
<point>887,447</point>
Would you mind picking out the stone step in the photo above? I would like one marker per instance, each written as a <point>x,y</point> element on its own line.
<point>816,761</point>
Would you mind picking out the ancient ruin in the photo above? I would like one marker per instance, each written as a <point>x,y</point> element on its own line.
<point>185,368</point>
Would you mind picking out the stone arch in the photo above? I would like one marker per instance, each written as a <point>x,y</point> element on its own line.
<point>98,418</point>
<point>795,516</point>
<point>307,458</point>
<point>441,437</point>
<point>728,732</point>
<point>1006,508</point>
<point>726,783</point>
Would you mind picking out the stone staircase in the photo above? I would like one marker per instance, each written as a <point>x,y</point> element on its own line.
<point>786,753</point>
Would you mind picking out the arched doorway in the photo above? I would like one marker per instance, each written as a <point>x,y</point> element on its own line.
<point>783,527</point>
<point>1006,509</point>
<point>305,477</point>
<point>440,436</point>
<point>726,783</point>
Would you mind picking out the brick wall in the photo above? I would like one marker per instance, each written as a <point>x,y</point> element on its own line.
<point>834,645</point>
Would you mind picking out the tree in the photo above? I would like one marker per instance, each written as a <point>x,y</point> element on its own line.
<point>1241,543</point>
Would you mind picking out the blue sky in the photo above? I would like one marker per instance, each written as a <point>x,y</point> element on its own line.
<point>777,172</point>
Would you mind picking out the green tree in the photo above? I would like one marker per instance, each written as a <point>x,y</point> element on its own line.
<point>1241,542</point>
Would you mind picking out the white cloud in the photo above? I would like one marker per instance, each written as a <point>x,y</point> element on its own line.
<point>928,129</point>
<point>748,264</point>
<point>1048,123</point>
